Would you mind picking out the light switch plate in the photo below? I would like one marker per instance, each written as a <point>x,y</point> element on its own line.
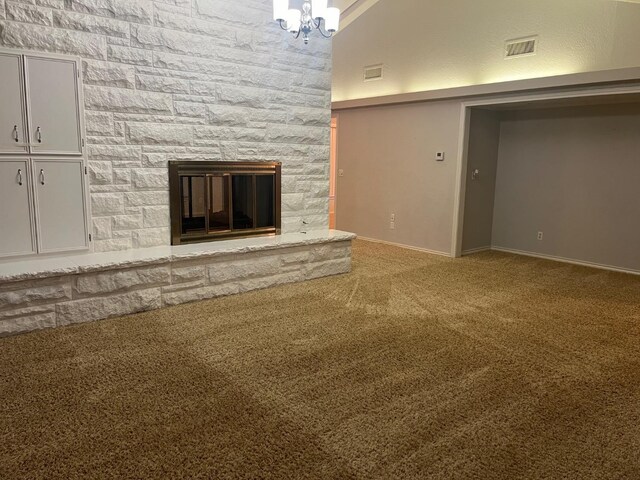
<point>440,156</point>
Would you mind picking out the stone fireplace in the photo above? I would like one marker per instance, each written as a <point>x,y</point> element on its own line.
<point>221,200</point>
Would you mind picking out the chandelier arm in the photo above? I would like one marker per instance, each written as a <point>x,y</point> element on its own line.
<point>282,24</point>
<point>324,34</point>
<point>297,35</point>
<point>317,25</point>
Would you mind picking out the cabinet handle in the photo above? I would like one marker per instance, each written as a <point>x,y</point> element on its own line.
<point>39,135</point>
<point>20,176</point>
<point>16,136</point>
<point>41,176</point>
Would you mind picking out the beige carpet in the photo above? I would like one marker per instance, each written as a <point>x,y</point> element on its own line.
<point>413,366</point>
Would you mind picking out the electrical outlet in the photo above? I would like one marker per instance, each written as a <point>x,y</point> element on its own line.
<point>392,225</point>
<point>393,217</point>
<point>540,235</point>
<point>341,172</point>
<point>440,156</point>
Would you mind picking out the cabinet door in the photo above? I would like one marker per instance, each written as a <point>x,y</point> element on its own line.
<point>16,216</point>
<point>60,204</point>
<point>13,135</point>
<point>52,99</point>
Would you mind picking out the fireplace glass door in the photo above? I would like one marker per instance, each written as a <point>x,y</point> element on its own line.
<point>222,200</point>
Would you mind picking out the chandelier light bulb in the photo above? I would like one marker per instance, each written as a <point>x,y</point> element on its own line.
<point>280,9</point>
<point>318,8</point>
<point>332,19</point>
<point>294,20</point>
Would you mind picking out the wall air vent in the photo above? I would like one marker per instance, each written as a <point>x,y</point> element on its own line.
<point>521,47</point>
<point>373,72</point>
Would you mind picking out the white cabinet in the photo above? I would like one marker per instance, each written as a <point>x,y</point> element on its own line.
<point>60,211</point>
<point>13,133</point>
<point>16,213</point>
<point>43,206</point>
<point>52,99</point>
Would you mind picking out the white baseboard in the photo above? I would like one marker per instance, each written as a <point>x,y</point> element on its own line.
<point>471,251</point>
<point>408,247</point>
<point>566,260</point>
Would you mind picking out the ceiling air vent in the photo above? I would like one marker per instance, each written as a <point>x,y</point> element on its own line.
<point>521,47</point>
<point>373,72</point>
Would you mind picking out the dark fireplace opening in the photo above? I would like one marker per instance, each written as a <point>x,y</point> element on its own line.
<point>218,200</point>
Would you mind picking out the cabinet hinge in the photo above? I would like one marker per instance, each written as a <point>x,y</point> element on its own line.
<point>90,238</point>
<point>83,143</point>
<point>85,170</point>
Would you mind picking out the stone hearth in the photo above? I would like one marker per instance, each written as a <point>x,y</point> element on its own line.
<point>52,292</point>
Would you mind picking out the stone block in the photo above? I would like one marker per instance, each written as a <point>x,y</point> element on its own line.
<point>141,199</point>
<point>156,216</point>
<point>127,101</point>
<point>156,83</point>
<point>250,284</point>
<point>98,123</point>
<point>330,251</point>
<point>90,24</point>
<point>97,308</point>
<point>103,204</point>
<point>189,273</point>
<point>138,11</point>
<point>35,295</point>
<point>150,237</point>
<point>327,268</point>
<point>128,55</point>
<point>244,96</point>
<point>47,39</point>
<point>108,74</point>
<point>319,117</point>
<point>197,294</point>
<point>21,12</point>
<point>113,244</point>
<point>100,173</point>
<point>212,135</point>
<point>120,280</point>
<point>231,12</point>
<point>250,266</point>
<point>298,134</point>
<point>59,4</point>
<point>127,222</point>
<point>121,176</point>
<point>159,134</point>
<point>101,228</point>
<point>28,323</point>
<point>150,178</point>
<point>205,66</point>
<point>115,153</point>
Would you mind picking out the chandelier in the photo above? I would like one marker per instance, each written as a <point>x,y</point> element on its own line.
<point>312,16</point>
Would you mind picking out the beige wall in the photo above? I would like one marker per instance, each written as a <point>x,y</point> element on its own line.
<point>387,155</point>
<point>573,174</point>
<point>428,45</point>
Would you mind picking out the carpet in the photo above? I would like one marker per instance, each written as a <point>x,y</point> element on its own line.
<point>413,366</point>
